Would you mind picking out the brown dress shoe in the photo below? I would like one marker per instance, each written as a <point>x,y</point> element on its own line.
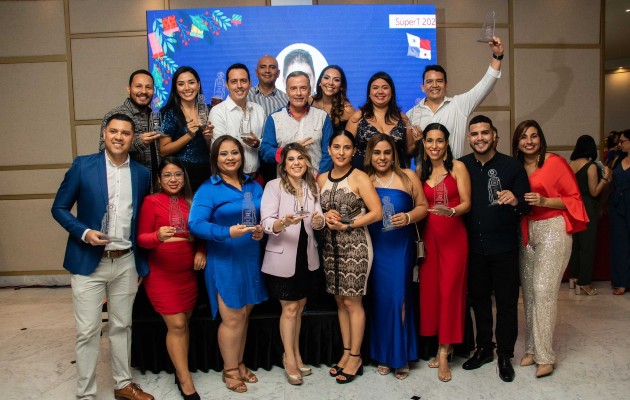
<point>132,392</point>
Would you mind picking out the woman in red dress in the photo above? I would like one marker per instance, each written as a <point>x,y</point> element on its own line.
<point>446,185</point>
<point>173,258</point>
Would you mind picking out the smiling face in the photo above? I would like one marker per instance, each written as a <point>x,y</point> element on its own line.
<point>380,92</point>
<point>187,86</point>
<point>141,90</point>
<point>434,86</point>
<point>298,90</point>
<point>172,179</point>
<point>481,138</point>
<point>238,84</point>
<point>382,157</point>
<point>295,164</point>
<point>229,159</point>
<point>118,135</point>
<point>529,142</point>
<point>331,82</point>
<point>267,71</point>
<point>435,144</point>
<point>341,150</point>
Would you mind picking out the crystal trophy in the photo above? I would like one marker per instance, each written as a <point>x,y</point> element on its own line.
<point>440,196</point>
<point>156,123</point>
<point>175,216</point>
<point>202,110</point>
<point>248,210</point>
<point>388,213</point>
<point>494,186</point>
<point>345,214</point>
<point>245,128</point>
<point>108,225</point>
<point>300,206</point>
<point>219,87</point>
<point>488,27</point>
<point>416,131</point>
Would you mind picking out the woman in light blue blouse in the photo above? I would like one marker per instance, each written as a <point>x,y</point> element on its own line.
<point>233,277</point>
<point>185,128</point>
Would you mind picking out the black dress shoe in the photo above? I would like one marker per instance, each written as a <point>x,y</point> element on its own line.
<point>506,371</point>
<point>481,357</point>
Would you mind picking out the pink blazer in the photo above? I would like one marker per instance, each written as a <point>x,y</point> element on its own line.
<point>281,249</point>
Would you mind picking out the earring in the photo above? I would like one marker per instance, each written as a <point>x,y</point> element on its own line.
<point>537,159</point>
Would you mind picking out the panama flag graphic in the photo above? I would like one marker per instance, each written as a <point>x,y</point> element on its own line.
<point>419,48</point>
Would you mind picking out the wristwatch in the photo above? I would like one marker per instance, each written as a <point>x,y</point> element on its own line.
<point>349,227</point>
<point>497,57</point>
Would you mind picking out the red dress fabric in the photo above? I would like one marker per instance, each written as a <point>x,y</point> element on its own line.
<point>443,273</point>
<point>171,284</point>
<point>556,179</point>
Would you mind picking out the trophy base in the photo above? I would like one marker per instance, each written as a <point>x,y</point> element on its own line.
<point>441,207</point>
<point>180,230</point>
<point>345,220</point>
<point>301,213</point>
<point>388,228</point>
<point>484,40</point>
<point>111,239</point>
<point>248,224</point>
<point>494,203</point>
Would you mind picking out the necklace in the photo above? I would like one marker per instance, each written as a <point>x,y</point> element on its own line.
<point>385,185</point>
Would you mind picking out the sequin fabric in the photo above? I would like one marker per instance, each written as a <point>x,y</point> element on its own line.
<point>543,261</point>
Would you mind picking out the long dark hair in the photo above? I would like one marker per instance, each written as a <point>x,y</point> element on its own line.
<point>369,151</point>
<point>214,156</point>
<point>516,138</point>
<point>425,164</point>
<point>393,110</point>
<point>339,99</point>
<point>176,162</point>
<point>585,147</point>
<point>174,102</point>
<point>309,175</point>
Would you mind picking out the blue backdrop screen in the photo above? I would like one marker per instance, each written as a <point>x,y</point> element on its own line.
<point>362,39</point>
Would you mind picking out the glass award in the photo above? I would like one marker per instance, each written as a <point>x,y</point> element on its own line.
<point>245,128</point>
<point>219,87</point>
<point>300,206</point>
<point>156,123</point>
<point>345,214</point>
<point>108,224</point>
<point>175,216</point>
<point>414,126</point>
<point>388,213</point>
<point>488,27</point>
<point>248,210</point>
<point>494,186</point>
<point>202,110</point>
<point>440,196</point>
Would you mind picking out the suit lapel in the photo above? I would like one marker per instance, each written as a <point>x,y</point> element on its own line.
<point>102,179</point>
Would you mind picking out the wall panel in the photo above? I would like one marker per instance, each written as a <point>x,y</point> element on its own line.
<point>113,15</point>
<point>87,139</point>
<point>45,181</point>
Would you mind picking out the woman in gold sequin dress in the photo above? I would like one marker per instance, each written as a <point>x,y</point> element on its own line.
<point>557,212</point>
<point>350,203</point>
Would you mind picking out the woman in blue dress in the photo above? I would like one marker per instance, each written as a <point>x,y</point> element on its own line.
<point>233,277</point>
<point>392,325</point>
<point>619,213</point>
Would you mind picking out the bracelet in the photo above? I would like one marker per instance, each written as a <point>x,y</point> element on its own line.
<point>605,180</point>
<point>408,218</point>
<point>497,57</point>
<point>282,223</point>
<point>452,212</point>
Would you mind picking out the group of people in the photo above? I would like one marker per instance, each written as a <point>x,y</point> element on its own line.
<point>338,193</point>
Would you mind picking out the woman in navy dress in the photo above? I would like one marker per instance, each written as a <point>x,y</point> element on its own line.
<point>619,213</point>
<point>233,277</point>
<point>392,324</point>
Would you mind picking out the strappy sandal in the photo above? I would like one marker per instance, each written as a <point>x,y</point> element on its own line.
<point>347,378</point>
<point>402,373</point>
<point>336,369</point>
<point>240,387</point>
<point>383,369</point>
<point>249,376</point>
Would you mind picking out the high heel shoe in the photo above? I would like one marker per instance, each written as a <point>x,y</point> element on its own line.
<point>435,362</point>
<point>292,379</point>
<point>572,283</point>
<point>193,396</point>
<point>336,369</point>
<point>544,370</point>
<point>588,290</point>
<point>249,376</point>
<point>240,387</point>
<point>527,360</point>
<point>449,357</point>
<point>305,370</point>
<point>350,377</point>
<point>619,291</point>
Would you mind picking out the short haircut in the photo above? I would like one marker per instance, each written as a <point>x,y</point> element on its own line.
<point>236,66</point>
<point>585,147</point>
<point>481,119</point>
<point>295,74</point>
<point>139,72</point>
<point>437,68</point>
<point>298,56</point>
<point>121,117</point>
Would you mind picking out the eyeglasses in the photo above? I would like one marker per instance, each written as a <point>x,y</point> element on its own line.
<point>624,141</point>
<point>177,175</point>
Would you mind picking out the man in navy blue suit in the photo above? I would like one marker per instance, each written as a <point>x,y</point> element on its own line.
<point>104,264</point>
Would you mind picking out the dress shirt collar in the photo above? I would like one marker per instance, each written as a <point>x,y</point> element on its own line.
<point>111,163</point>
<point>231,105</point>
<point>134,109</point>
<point>273,92</point>
<point>446,101</point>
<point>217,178</point>
<point>308,108</point>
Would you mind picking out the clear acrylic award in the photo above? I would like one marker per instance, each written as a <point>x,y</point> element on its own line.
<point>175,216</point>
<point>345,214</point>
<point>388,213</point>
<point>248,210</point>
<point>488,27</point>
<point>202,110</point>
<point>219,87</point>
<point>440,196</point>
<point>156,123</point>
<point>245,128</point>
<point>416,131</point>
<point>494,186</point>
<point>108,224</point>
<point>300,206</point>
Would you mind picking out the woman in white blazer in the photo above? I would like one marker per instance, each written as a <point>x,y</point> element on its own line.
<point>290,210</point>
